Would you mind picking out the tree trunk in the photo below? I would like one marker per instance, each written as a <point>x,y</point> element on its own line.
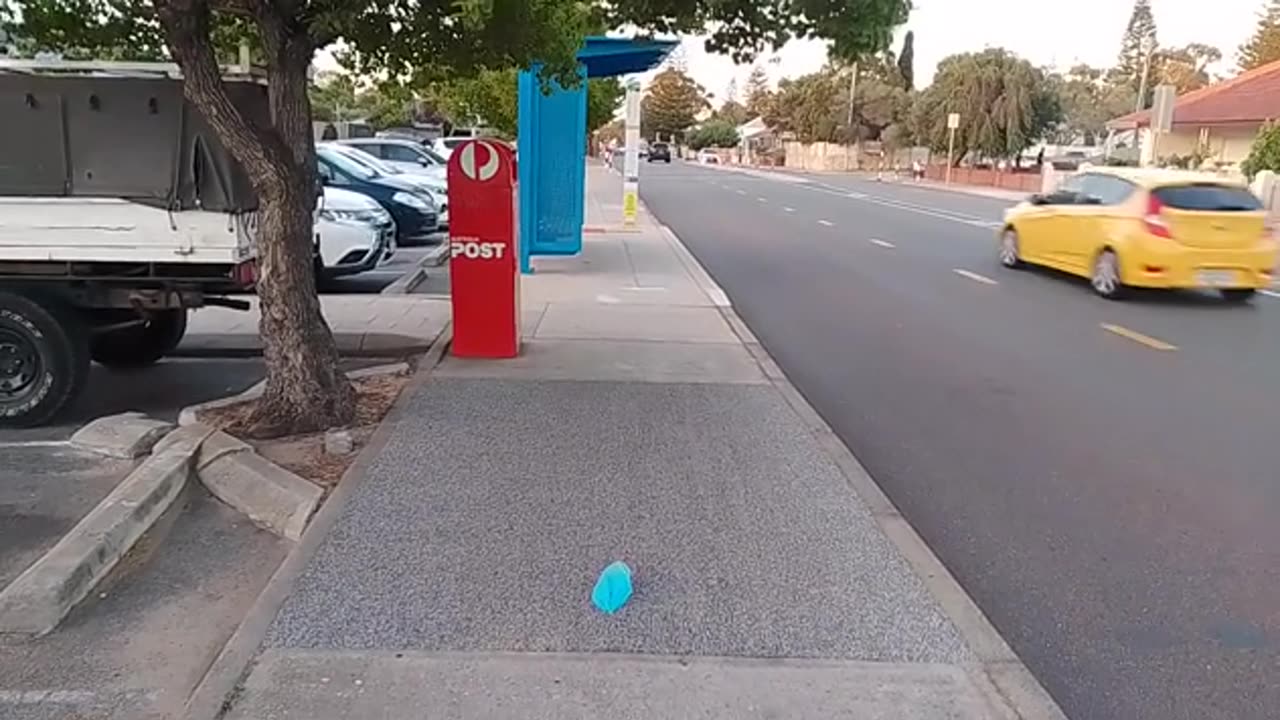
<point>306,389</point>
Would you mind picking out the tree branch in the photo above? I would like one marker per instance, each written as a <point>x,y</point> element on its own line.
<point>187,28</point>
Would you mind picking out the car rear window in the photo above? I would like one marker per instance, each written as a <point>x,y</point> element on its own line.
<point>1207,197</point>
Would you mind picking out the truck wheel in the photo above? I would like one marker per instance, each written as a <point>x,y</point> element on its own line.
<point>143,344</point>
<point>44,360</point>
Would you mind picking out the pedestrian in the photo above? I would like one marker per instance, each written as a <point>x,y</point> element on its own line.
<point>917,170</point>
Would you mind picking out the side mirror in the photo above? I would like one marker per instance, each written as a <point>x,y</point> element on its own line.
<point>1038,199</point>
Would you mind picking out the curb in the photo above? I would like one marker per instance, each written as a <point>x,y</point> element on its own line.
<point>242,345</point>
<point>213,693</point>
<point>1000,672</point>
<point>35,602</point>
<point>412,279</point>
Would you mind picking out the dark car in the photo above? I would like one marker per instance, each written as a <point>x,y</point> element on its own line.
<point>415,212</point>
<point>660,152</point>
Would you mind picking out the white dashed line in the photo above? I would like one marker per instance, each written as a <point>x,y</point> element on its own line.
<point>827,223</point>
<point>762,199</point>
<point>741,192</point>
<point>789,209</point>
<point>882,243</point>
<point>974,276</point>
<point>1270,293</point>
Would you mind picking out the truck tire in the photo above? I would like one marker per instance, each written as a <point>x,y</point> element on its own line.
<point>143,344</point>
<point>44,359</point>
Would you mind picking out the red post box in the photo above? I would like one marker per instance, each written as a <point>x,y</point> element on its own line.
<point>484,258</point>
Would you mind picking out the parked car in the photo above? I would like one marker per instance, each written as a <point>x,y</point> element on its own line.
<point>660,152</point>
<point>706,157</point>
<point>407,155</point>
<point>412,207</point>
<point>354,233</point>
<point>433,183</point>
<point>444,147</point>
<point>1123,228</point>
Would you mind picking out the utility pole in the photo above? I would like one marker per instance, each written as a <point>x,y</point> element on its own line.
<point>853,86</point>
<point>1148,48</point>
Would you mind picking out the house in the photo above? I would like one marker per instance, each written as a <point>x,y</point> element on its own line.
<point>1218,122</point>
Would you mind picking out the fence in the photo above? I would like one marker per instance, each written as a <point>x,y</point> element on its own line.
<point>1019,181</point>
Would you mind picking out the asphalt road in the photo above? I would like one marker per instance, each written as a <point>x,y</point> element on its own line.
<point>1113,507</point>
<point>375,281</point>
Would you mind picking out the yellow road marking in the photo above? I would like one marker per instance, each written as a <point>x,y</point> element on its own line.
<point>1138,337</point>
<point>974,276</point>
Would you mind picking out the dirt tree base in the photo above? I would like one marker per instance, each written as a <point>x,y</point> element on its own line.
<point>304,454</point>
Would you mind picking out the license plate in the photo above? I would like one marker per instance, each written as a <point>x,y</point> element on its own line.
<point>1216,278</point>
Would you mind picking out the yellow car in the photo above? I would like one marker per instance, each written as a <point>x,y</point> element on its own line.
<point>1124,227</point>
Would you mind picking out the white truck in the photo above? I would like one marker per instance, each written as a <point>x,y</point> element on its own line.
<point>119,212</point>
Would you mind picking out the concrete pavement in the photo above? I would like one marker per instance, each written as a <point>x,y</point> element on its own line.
<point>362,325</point>
<point>638,424</point>
<point>1109,505</point>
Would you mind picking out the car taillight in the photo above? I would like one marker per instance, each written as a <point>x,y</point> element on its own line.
<point>245,274</point>
<point>1154,219</point>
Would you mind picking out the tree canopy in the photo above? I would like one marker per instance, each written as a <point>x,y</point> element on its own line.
<point>1005,105</point>
<point>671,104</point>
<point>1265,153</point>
<point>713,133</point>
<point>907,59</point>
<point>1139,38</point>
<point>1264,45</point>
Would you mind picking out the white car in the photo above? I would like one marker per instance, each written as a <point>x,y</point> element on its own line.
<point>434,183</point>
<point>406,155</point>
<point>354,233</point>
<point>444,147</point>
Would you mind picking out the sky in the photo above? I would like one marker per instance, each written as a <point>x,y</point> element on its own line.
<point>1058,33</point>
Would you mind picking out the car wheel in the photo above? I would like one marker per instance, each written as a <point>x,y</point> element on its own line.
<point>1105,277</point>
<point>44,360</point>
<point>1010,254</point>
<point>1238,296</point>
<point>143,344</point>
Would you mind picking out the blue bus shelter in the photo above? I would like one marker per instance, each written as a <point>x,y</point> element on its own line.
<point>552,144</point>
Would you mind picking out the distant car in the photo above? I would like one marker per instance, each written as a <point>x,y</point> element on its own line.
<point>412,207</point>
<point>444,147</point>
<point>660,152</point>
<point>1123,228</point>
<point>706,157</point>
<point>355,233</point>
<point>433,180</point>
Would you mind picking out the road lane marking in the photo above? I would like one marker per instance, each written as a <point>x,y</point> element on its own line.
<point>762,199</point>
<point>789,209</point>
<point>827,223</point>
<point>1270,293</point>
<point>882,243</point>
<point>1138,337</point>
<point>741,192</point>
<point>974,276</point>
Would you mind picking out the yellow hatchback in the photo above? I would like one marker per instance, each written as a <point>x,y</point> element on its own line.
<point>1123,227</point>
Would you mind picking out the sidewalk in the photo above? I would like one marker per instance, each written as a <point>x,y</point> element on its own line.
<point>361,325</point>
<point>641,423</point>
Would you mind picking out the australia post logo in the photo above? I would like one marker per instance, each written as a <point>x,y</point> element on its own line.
<point>479,160</point>
<point>474,249</point>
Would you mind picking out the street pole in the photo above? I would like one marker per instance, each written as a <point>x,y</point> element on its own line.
<point>631,163</point>
<point>951,151</point>
<point>1147,50</point>
<point>853,86</point>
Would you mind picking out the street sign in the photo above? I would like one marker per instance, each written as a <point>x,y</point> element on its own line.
<point>484,251</point>
<point>1162,108</point>
<point>953,121</point>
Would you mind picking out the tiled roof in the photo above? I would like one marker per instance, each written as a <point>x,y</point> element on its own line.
<point>1250,97</point>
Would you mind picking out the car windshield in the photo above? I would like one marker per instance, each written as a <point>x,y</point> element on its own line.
<point>1208,197</point>
<point>344,163</point>
<point>360,156</point>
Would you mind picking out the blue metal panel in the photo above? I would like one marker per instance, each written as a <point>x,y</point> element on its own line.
<point>552,167</point>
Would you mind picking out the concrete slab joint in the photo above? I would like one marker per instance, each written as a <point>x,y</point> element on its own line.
<point>272,497</point>
<point>127,435</point>
<point>37,600</point>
